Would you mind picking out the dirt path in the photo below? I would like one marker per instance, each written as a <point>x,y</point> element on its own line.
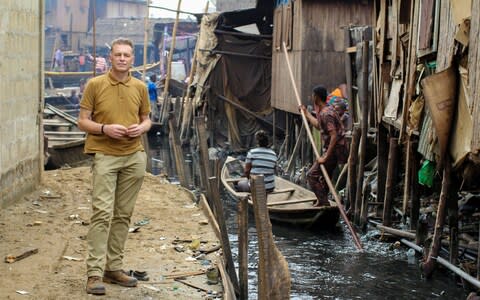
<point>55,217</point>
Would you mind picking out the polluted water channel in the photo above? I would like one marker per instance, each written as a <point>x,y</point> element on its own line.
<point>324,265</point>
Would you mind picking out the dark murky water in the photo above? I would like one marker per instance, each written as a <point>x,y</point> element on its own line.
<point>326,265</point>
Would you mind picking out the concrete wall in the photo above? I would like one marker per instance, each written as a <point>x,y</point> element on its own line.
<point>21,160</point>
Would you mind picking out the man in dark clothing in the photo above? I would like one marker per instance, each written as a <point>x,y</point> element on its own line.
<point>335,148</point>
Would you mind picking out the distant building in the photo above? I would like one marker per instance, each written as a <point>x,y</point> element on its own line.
<point>67,22</point>
<point>229,5</point>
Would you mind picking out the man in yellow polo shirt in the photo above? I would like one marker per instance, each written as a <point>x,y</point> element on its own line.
<point>114,112</point>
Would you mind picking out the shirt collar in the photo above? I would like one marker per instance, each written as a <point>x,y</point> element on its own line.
<point>114,81</point>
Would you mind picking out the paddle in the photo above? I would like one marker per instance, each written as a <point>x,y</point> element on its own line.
<point>317,155</point>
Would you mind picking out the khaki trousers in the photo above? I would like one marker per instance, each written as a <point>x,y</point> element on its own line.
<point>116,183</point>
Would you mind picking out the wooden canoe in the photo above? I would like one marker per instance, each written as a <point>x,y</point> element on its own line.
<point>289,203</point>
<point>64,142</point>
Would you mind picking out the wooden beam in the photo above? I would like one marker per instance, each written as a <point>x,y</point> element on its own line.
<point>291,202</point>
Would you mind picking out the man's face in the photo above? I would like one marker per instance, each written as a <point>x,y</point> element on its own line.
<point>121,57</point>
<point>339,110</point>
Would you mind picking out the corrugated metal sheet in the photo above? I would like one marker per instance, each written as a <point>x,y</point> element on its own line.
<point>317,55</point>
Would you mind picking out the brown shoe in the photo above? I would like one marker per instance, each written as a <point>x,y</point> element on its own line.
<point>95,285</point>
<point>119,277</point>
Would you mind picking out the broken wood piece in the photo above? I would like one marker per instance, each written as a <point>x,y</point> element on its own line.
<point>191,285</point>
<point>213,249</point>
<point>177,241</point>
<point>280,191</point>
<point>12,258</point>
<point>185,274</point>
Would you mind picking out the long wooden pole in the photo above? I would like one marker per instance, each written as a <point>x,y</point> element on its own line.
<point>317,155</point>
<point>145,39</point>
<point>169,65</point>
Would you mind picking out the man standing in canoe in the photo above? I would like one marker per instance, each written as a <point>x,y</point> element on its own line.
<point>335,147</point>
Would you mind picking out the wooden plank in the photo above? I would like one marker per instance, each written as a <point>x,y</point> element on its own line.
<point>281,191</point>
<point>352,49</point>
<point>291,202</point>
<point>64,132</point>
<point>47,122</point>
<point>235,179</point>
<point>64,138</point>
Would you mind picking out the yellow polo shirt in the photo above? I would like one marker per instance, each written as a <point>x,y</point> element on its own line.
<point>115,102</point>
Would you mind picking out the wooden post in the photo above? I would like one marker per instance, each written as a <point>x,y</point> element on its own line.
<point>274,131</point>
<point>145,40</point>
<point>408,176</point>
<point>452,209</point>
<point>189,99</point>
<point>348,73</point>
<point>317,155</point>
<point>243,247</point>
<point>414,192</point>
<point>293,156</point>
<point>178,152</point>
<point>203,151</point>
<point>382,161</point>
<point>390,182</point>
<point>273,275</point>
<point>352,168</point>
<point>227,252</point>
<point>94,37</point>
<point>429,264</point>
<point>363,95</point>
<point>411,66</point>
<point>169,65</point>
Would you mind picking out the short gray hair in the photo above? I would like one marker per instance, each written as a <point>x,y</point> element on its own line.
<point>122,41</point>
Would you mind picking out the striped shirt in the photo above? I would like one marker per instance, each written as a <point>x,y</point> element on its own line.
<point>263,162</point>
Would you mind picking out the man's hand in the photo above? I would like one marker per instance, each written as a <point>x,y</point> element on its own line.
<point>135,130</point>
<point>115,131</point>
<point>321,159</point>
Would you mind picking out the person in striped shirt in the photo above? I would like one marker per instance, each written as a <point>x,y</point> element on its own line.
<point>260,160</point>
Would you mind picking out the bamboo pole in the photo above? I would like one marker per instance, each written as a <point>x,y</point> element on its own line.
<point>169,65</point>
<point>317,155</point>
<point>189,103</point>
<point>94,40</point>
<point>145,39</point>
